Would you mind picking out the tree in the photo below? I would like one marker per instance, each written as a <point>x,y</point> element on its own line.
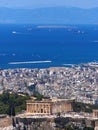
<point>11,109</point>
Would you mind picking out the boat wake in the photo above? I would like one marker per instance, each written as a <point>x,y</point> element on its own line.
<point>20,33</point>
<point>96,41</point>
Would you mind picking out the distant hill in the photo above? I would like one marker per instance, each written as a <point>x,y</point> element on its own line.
<point>51,15</point>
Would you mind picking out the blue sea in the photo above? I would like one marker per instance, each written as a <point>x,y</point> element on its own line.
<point>58,44</point>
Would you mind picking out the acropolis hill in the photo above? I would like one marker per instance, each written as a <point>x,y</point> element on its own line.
<point>77,82</point>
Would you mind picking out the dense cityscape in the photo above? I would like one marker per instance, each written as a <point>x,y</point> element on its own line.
<point>77,82</point>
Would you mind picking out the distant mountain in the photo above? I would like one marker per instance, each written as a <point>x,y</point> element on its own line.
<point>51,15</point>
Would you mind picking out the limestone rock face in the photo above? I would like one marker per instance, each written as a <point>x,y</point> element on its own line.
<point>7,128</point>
<point>5,123</point>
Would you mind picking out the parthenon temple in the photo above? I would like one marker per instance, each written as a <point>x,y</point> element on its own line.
<point>49,106</point>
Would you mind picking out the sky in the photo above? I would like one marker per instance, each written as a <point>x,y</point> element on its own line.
<point>48,3</point>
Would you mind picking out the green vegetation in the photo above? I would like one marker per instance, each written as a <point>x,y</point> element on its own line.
<point>88,128</point>
<point>76,128</point>
<point>69,124</point>
<point>12,103</point>
<point>38,96</point>
<point>15,103</point>
<point>81,107</point>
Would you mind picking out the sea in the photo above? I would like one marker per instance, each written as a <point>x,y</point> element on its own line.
<point>43,46</point>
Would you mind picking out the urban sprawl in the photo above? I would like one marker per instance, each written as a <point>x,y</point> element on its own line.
<point>79,82</point>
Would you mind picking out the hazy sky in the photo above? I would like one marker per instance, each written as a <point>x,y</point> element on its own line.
<point>48,3</point>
